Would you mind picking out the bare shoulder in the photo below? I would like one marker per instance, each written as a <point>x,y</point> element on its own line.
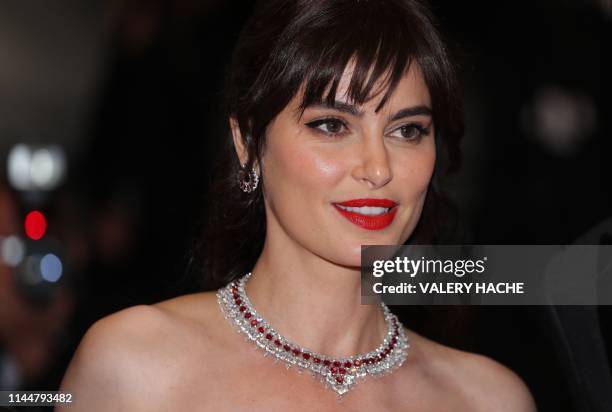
<point>134,358</point>
<point>196,307</point>
<point>494,386</point>
<point>484,383</point>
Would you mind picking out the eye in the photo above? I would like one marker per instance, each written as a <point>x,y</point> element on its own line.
<point>413,132</point>
<point>329,126</point>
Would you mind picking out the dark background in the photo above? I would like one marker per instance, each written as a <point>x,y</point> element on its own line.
<point>131,91</point>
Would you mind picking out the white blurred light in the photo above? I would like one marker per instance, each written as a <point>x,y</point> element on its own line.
<point>40,168</point>
<point>51,268</point>
<point>19,167</point>
<point>58,167</point>
<point>11,251</point>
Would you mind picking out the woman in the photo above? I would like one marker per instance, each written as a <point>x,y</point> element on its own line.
<point>343,113</point>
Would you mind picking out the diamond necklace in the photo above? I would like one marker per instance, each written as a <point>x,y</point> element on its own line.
<point>338,374</point>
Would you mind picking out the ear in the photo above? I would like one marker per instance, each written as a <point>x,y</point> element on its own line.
<point>239,145</point>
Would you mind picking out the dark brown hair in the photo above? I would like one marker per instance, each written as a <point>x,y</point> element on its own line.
<point>288,44</point>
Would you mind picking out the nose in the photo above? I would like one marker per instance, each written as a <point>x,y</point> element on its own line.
<point>373,166</point>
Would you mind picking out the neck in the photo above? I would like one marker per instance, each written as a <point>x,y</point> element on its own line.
<point>313,302</point>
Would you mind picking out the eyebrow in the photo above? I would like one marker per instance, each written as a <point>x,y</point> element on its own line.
<point>411,111</point>
<point>352,110</point>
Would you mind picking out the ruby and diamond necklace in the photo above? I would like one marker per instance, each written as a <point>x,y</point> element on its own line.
<point>338,374</point>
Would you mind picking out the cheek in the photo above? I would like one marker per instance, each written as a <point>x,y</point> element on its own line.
<point>300,168</point>
<point>299,183</point>
<point>415,172</point>
<point>414,177</point>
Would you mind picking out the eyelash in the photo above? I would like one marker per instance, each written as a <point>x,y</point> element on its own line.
<point>422,131</point>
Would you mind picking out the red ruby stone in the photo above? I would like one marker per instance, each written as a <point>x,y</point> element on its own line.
<point>287,348</point>
<point>316,360</point>
<point>238,301</point>
<point>296,352</point>
<point>339,379</point>
<point>242,308</point>
<point>306,356</point>
<point>277,342</point>
<point>386,351</point>
<point>337,364</point>
<point>247,315</point>
<point>268,336</point>
<point>334,369</point>
<point>260,329</point>
<point>342,371</point>
<point>254,322</point>
<point>326,362</point>
<point>234,289</point>
<point>347,364</point>
<point>394,340</point>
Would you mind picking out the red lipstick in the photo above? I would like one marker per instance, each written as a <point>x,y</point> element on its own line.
<point>368,222</point>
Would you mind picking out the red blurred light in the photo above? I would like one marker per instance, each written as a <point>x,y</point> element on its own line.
<point>35,225</point>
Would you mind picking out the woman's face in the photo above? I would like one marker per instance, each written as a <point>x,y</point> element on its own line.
<point>338,178</point>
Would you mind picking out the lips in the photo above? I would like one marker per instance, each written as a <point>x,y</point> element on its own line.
<point>368,202</point>
<point>370,214</point>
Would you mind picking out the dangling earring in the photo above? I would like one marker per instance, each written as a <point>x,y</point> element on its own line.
<point>247,180</point>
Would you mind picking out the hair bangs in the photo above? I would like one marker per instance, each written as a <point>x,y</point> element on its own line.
<point>377,54</point>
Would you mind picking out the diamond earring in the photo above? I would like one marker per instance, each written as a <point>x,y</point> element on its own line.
<point>247,180</point>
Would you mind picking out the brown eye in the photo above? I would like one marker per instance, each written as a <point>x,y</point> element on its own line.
<point>412,132</point>
<point>327,126</point>
<point>409,132</point>
<point>334,126</point>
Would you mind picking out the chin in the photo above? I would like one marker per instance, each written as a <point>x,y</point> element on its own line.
<point>347,251</point>
<point>350,256</point>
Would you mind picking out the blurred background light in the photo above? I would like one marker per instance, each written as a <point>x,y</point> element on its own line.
<point>11,251</point>
<point>559,119</point>
<point>19,167</point>
<point>41,168</point>
<point>50,267</point>
<point>35,225</point>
